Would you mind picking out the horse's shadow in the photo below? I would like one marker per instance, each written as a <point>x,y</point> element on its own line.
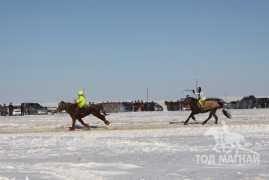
<point>195,122</point>
<point>91,127</point>
<point>182,122</point>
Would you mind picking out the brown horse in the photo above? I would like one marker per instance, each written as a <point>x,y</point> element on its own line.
<point>210,106</point>
<point>77,114</point>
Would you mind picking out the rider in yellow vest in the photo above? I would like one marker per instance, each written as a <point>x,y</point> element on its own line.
<point>81,100</point>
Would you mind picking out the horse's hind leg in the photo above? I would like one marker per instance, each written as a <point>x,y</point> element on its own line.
<point>83,123</point>
<point>209,117</point>
<point>102,117</point>
<point>216,117</point>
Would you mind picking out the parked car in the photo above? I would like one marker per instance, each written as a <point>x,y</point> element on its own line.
<point>158,107</point>
<point>153,106</point>
<point>16,111</point>
<point>35,108</point>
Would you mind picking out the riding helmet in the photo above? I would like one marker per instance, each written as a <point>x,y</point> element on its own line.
<point>80,93</point>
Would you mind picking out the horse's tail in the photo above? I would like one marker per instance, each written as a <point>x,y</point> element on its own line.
<point>227,114</point>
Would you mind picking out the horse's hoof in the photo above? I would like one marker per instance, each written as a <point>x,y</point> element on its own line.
<point>107,122</point>
<point>203,123</point>
<point>185,123</point>
<point>71,129</point>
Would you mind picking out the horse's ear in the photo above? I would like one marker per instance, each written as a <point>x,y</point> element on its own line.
<point>187,96</point>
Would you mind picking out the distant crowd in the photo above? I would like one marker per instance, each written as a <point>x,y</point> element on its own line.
<point>133,106</point>
<point>11,109</point>
<point>141,106</point>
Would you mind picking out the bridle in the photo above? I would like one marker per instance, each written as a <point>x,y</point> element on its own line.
<point>188,101</point>
<point>64,106</point>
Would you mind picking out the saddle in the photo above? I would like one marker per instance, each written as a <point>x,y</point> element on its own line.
<point>82,110</point>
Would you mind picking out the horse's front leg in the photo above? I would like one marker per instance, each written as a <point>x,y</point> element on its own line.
<point>73,124</point>
<point>83,123</point>
<point>190,116</point>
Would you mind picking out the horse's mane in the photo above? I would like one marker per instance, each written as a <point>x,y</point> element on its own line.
<point>69,103</point>
<point>192,98</point>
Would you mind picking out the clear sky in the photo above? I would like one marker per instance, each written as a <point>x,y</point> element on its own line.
<point>116,49</point>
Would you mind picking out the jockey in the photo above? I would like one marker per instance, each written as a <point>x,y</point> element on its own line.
<point>81,100</point>
<point>201,97</point>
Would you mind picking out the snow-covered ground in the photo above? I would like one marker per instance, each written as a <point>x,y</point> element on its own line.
<point>141,145</point>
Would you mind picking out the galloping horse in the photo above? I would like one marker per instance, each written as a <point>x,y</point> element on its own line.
<point>210,106</point>
<point>76,114</point>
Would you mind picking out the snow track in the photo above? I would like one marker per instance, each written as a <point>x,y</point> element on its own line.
<point>124,121</point>
<point>133,146</point>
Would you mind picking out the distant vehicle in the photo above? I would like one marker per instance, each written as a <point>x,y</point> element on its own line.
<point>16,111</point>
<point>128,106</point>
<point>153,106</point>
<point>158,107</point>
<point>35,108</point>
<point>186,108</point>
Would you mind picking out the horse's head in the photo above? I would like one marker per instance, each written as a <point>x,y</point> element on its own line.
<point>189,100</point>
<point>61,106</point>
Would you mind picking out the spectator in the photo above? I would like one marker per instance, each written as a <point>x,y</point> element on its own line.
<point>135,106</point>
<point>138,106</point>
<point>22,110</point>
<point>167,105</point>
<point>4,110</point>
<point>132,104</point>
<point>142,106</point>
<point>27,109</point>
<point>10,108</point>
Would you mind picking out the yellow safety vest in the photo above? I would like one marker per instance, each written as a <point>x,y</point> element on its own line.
<point>81,101</point>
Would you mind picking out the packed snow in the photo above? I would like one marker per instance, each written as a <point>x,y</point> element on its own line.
<point>136,145</point>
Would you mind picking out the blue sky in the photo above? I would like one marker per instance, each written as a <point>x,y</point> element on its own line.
<point>116,49</point>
